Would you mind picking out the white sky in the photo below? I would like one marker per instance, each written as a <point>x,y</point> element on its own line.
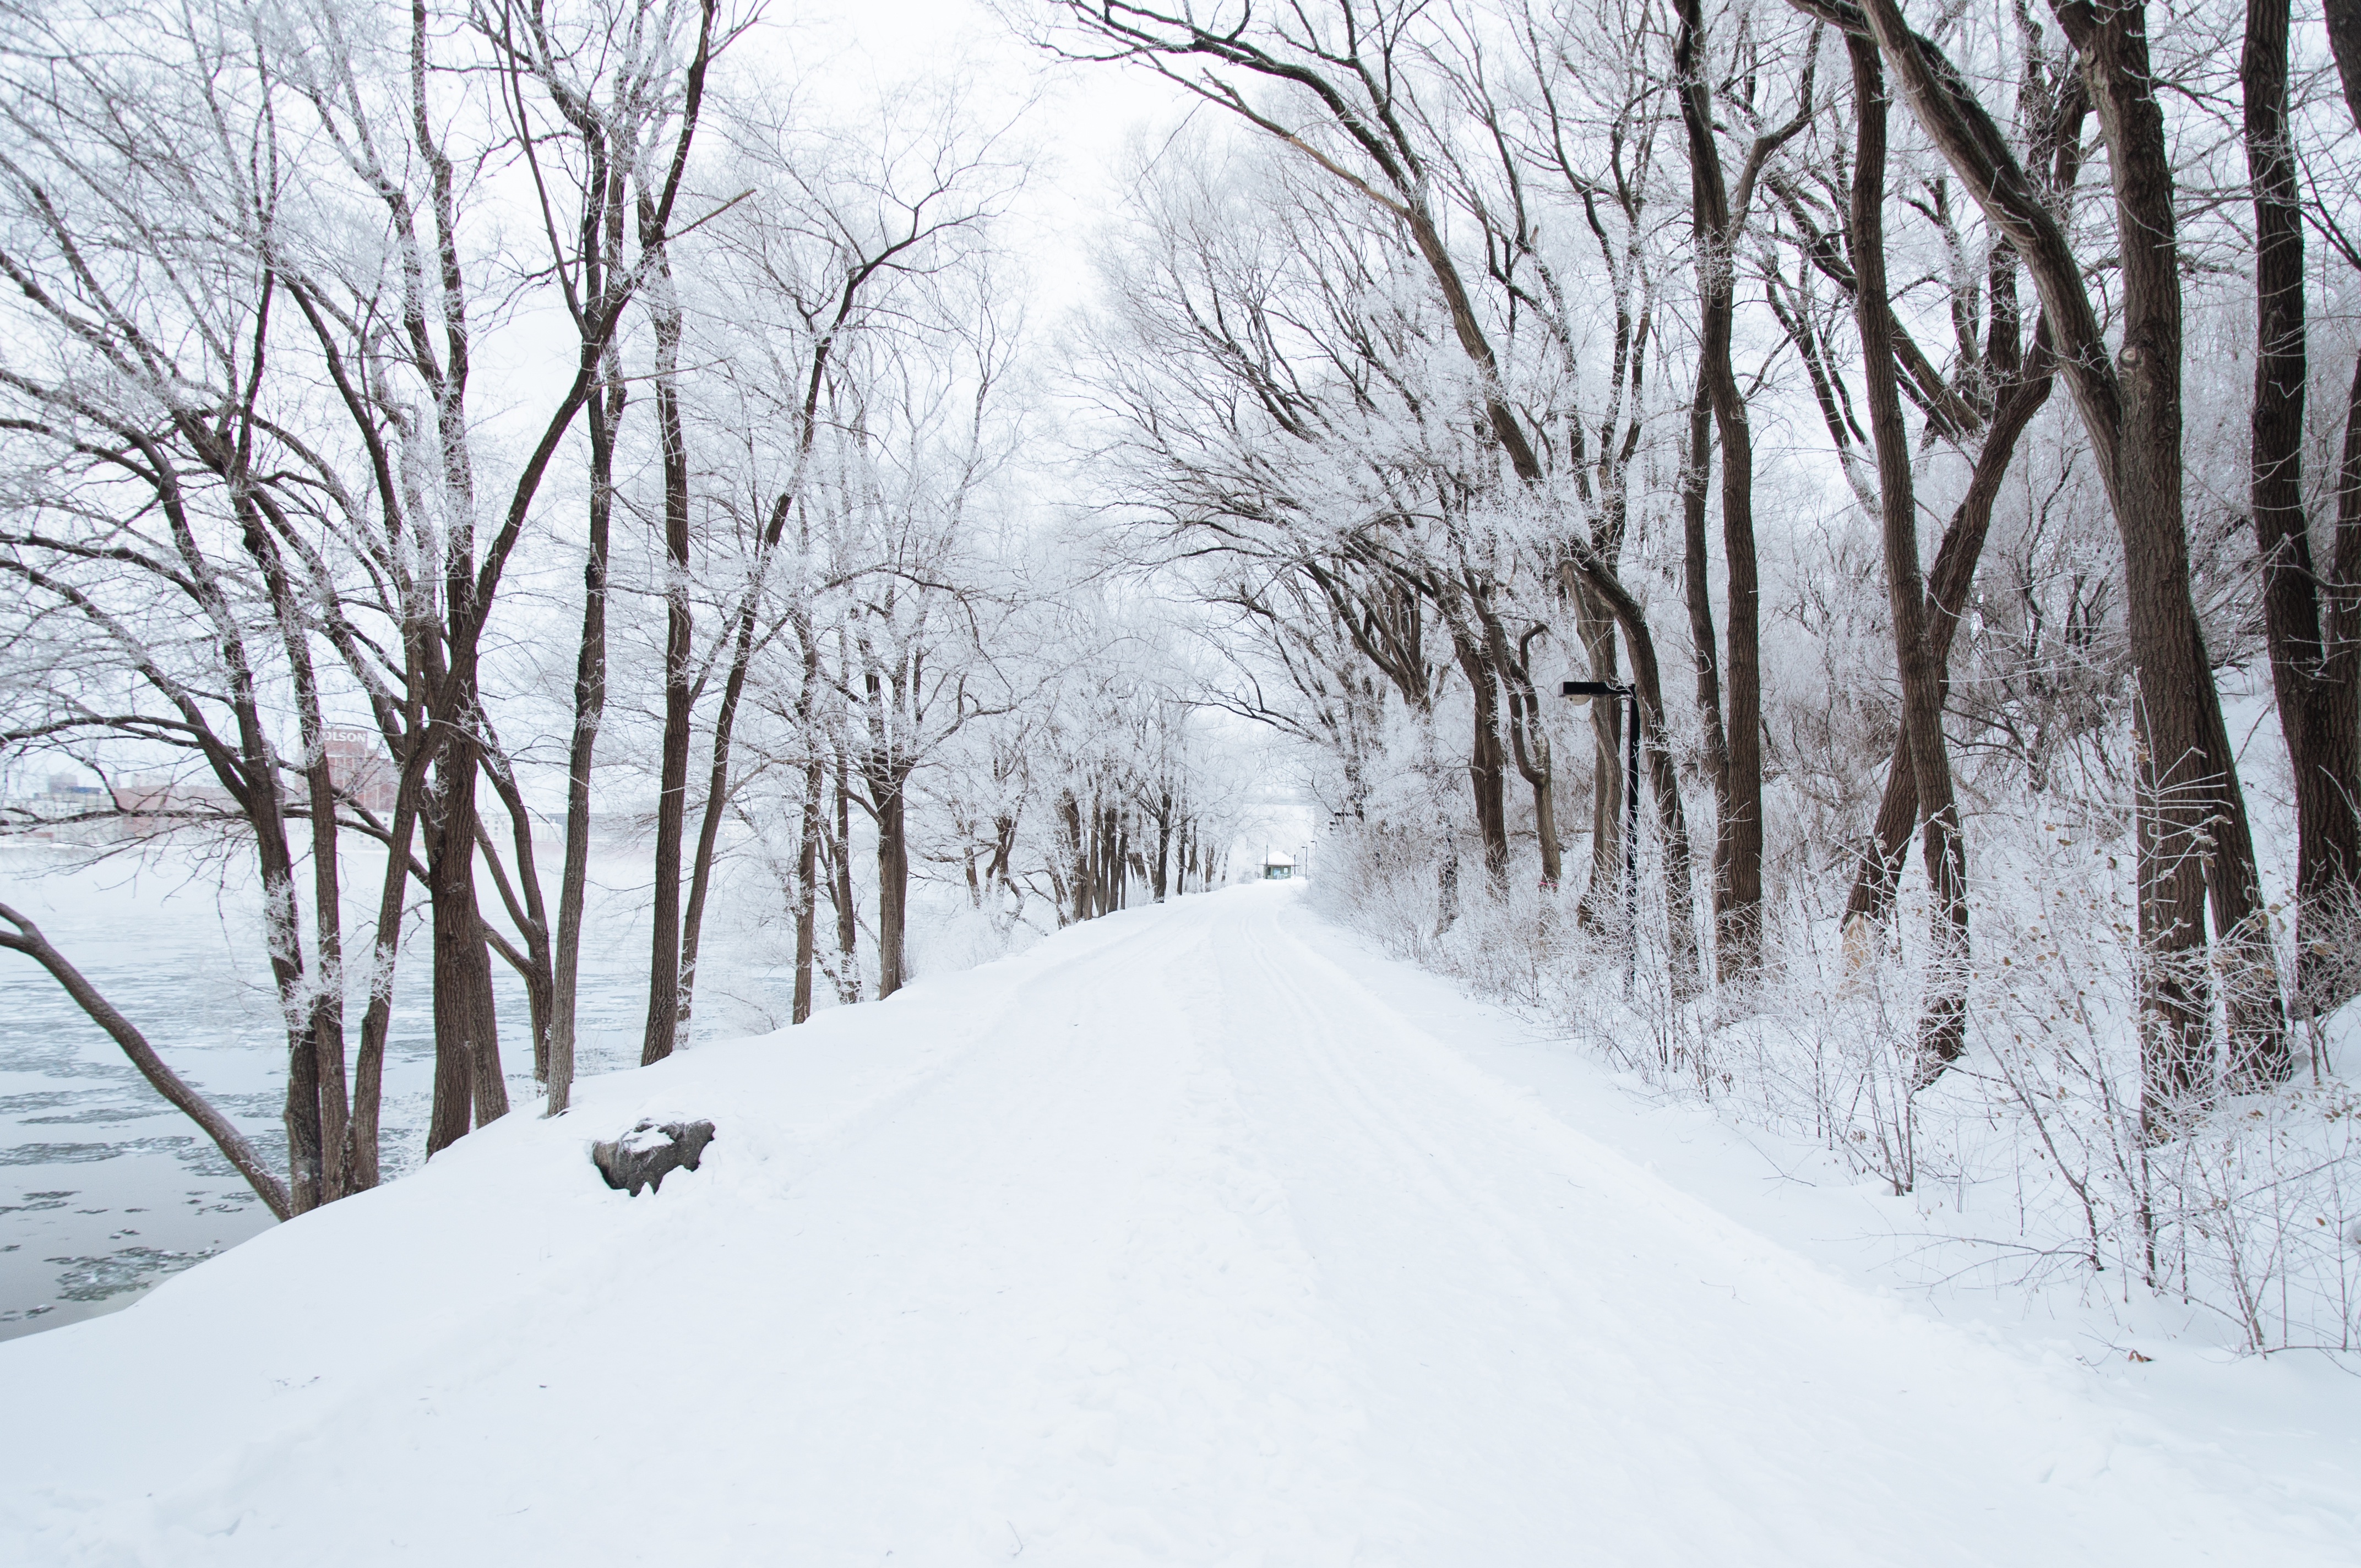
<point>1079,119</point>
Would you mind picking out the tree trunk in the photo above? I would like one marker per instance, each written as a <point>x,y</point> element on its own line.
<point>2313,710</point>
<point>2194,844</point>
<point>1123,860</point>
<point>1943,1031</point>
<point>893,878</point>
<point>2342,676</point>
<point>466,1029</point>
<point>605,412</point>
<point>808,831</point>
<point>2194,833</point>
<point>1948,586</point>
<point>847,923</point>
<point>1532,760</point>
<point>329,1089</point>
<point>1602,890</point>
<point>362,1152</point>
<point>1529,745</point>
<point>2344,607</point>
<point>1738,826</point>
<point>1487,762</point>
<point>709,829</point>
<point>1697,583</point>
<point>672,793</point>
<point>1163,843</point>
<point>522,896</point>
<point>2344,45</point>
<point>1073,900</point>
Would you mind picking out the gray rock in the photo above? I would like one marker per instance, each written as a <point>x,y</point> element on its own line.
<point>645,1154</point>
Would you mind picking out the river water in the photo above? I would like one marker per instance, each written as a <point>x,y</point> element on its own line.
<point>106,1189</point>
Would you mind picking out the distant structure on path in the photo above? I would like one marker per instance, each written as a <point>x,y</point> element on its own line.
<point>1276,866</point>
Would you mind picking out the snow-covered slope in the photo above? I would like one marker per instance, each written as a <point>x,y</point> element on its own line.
<point>1172,1241</point>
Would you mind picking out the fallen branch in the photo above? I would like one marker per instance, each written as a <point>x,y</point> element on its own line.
<point>28,939</point>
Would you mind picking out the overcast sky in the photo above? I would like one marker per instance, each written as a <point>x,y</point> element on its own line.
<point>1079,117</point>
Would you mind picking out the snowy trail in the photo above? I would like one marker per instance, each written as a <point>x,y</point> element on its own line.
<point>1168,1243</point>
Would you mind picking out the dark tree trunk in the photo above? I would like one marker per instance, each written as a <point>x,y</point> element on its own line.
<point>1123,861</point>
<point>2345,603</point>
<point>672,793</point>
<point>329,1089</point>
<point>1529,745</point>
<point>1530,750</point>
<point>2194,843</point>
<point>1487,762</point>
<point>1110,861</point>
<point>809,830</point>
<point>2312,709</point>
<point>469,1087</point>
<point>361,1157</point>
<point>2345,44</point>
<point>1948,587</point>
<point>1073,902</point>
<point>1602,889</point>
<point>1697,585</point>
<point>604,414</point>
<point>521,896</point>
<point>708,828</point>
<point>1738,826</point>
<point>1942,1034</point>
<point>807,888</point>
<point>892,876</point>
<point>1106,865</point>
<point>848,922</point>
<point>2342,676</point>
<point>1163,844</point>
<point>2194,835</point>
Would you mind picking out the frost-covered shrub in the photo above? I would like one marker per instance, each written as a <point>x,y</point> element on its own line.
<point>1387,886</point>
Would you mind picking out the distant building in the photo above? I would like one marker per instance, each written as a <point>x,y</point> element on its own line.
<point>361,773</point>
<point>1278,867</point>
<point>158,796</point>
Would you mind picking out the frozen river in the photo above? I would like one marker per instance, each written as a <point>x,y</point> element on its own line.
<point>104,1188</point>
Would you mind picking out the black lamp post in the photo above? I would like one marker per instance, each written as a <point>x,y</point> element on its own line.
<point>1583,691</point>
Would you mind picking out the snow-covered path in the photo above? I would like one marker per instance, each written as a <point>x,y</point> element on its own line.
<point>1170,1242</point>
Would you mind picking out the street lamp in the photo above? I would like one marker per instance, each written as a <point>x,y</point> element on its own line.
<point>1581,692</point>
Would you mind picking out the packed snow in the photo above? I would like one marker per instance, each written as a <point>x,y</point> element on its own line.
<point>1194,1235</point>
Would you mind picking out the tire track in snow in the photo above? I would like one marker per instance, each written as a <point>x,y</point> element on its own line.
<point>1196,1416</point>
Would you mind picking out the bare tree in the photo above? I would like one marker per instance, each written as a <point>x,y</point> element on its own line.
<point>2194,840</point>
<point>1943,1031</point>
<point>1350,70</point>
<point>1720,216</point>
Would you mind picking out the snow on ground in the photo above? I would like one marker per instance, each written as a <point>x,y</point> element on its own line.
<point>1194,1235</point>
